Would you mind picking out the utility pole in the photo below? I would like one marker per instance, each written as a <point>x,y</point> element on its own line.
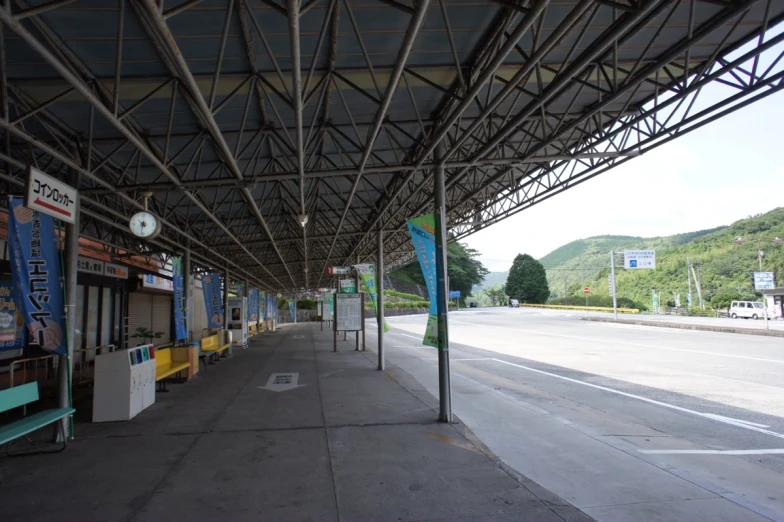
<point>688,277</point>
<point>612,284</point>
<point>699,288</point>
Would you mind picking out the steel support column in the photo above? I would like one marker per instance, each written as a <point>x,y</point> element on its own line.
<point>380,295</point>
<point>226,299</point>
<point>65,363</point>
<point>442,292</point>
<point>187,282</point>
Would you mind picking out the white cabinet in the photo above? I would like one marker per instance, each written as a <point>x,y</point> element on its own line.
<point>124,383</point>
<point>238,321</point>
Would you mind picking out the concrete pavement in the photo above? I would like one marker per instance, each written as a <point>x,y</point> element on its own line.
<point>349,443</point>
<point>625,422</point>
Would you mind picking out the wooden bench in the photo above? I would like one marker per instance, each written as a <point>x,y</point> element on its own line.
<point>168,364</point>
<point>211,346</point>
<point>20,396</point>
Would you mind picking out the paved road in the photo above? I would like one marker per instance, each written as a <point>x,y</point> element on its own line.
<point>626,422</point>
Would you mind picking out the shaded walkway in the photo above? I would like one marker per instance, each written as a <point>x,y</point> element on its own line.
<point>350,444</point>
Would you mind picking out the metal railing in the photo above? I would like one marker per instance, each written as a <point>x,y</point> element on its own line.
<point>84,362</point>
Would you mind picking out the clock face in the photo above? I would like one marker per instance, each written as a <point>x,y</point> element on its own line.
<point>144,225</point>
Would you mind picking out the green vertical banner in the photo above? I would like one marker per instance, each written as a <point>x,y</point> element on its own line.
<point>422,230</point>
<point>367,273</point>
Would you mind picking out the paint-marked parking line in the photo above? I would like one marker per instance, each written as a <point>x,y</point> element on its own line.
<point>712,416</point>
<point>777,451</point>
<point>411,336</point>
<point>480,359</point>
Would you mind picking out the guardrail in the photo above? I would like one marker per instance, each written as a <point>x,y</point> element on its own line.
<point>591,308</point>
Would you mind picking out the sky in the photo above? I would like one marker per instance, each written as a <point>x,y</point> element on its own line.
<point>715,175</point>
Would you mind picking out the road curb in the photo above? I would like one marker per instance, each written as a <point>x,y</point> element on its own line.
<point>682,326</point>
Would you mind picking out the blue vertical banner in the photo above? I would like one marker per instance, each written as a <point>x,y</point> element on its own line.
<point>37,276</point>
<point>422,230</point>
<point>292,310</point>
<point>262,306</point>
<point>180,314</point>
<point>213,299</point>
<point>11,326</point>
<point>253,305</point>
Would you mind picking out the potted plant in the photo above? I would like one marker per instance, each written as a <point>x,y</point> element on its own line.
<point>144,334</point>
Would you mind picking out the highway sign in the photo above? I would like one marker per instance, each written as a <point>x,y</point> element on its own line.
<point>454,294</point>
<point>764,281</point>
<point>586,290</point>
<point>639,259</point>
<point>338,270</point>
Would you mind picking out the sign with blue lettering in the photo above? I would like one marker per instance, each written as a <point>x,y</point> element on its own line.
<point>180,313</point>
<point>213,300</point>
<point>36,273</point>
<point>764,281</point>
<point>422,230</point>
<point>639,259</point>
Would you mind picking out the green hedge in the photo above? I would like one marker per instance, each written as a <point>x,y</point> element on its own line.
<point>598,300</point>
<point>401,295</point>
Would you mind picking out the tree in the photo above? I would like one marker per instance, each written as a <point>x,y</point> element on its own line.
<point>527,280</point>
<point>463,268</point>
<point>495,295</point>
<point>724,298</point>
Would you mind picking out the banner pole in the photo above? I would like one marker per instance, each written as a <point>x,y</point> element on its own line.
<point>70,267</point>
<point>380,295</point>
<point>444,385</point>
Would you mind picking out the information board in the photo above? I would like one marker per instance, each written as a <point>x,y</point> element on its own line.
<point>764,281</point>
<point>639,259</point>
<point>348,312</point>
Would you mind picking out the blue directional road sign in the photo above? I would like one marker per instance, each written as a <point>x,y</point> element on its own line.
<point>454,294</point>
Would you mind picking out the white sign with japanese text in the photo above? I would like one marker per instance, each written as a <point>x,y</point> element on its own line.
<point>50,196</point>
<point>764,281</point>
<point>89,266</point>
<point>349,312</point>
<point>639,259</point>
<point>156,282</point>
<point>112,270</point>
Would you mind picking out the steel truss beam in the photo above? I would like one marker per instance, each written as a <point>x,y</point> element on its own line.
<point>669,115</point>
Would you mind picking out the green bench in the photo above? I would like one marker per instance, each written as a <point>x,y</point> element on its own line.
<point>20,396</point>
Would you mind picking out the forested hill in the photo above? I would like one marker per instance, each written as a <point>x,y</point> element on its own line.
<point>722,265</point>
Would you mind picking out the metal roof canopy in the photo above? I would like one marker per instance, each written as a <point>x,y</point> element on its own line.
<point>242,115</point>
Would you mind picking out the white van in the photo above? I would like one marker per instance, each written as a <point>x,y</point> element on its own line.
<point>514,303</point>
<point>748,310</point>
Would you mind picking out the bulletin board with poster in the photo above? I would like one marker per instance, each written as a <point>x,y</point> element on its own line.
<point>349,316</point>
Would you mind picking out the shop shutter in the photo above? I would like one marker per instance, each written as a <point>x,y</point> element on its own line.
<point>139,315</point>
<point>162,317</point>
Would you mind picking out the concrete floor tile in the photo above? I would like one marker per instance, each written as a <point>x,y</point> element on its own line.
<point>696,510</point>
<point>411,473</point>
<point>281,475</point>
<point>101,479</point>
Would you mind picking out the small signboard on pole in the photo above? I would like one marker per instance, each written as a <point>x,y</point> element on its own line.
<point>338,270</point>
<point>764,281</point>
<point>51,196</point>
<point>348,286</point>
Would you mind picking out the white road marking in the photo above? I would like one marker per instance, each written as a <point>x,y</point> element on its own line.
<point>411,336</point>
<point>719,418</point>
<point>624,343</point>
<point>777,451</point>
<point>480,359</point>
